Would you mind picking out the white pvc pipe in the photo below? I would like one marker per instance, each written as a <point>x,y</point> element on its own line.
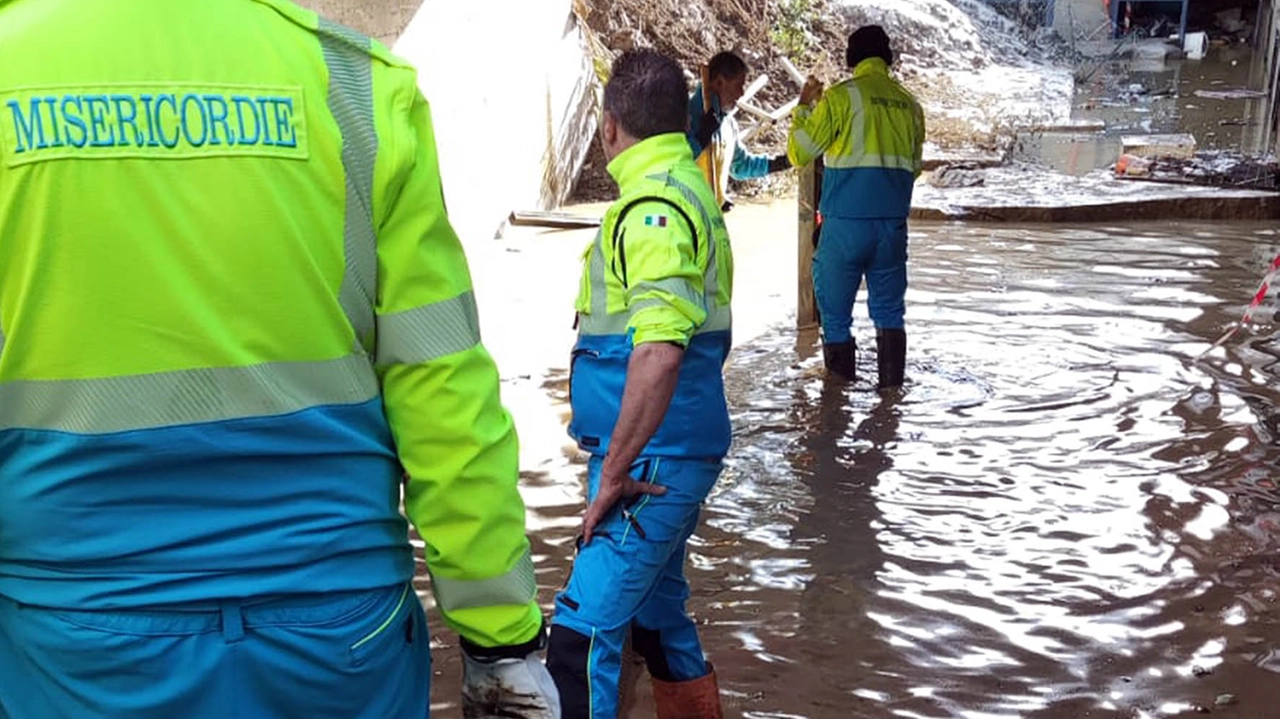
<point>750,92</point>
<point>753,110</point>
<point>793,72</point>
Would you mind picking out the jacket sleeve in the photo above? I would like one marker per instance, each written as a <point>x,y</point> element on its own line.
<point>812,132</point>
<point>455,440</point>
<point>747,166</point>
<point>920,135</point>
<point>664,281</point>
<point>695,121</point>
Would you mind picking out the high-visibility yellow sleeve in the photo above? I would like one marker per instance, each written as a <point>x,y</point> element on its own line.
<point>440,391</point>
<point>812,131</point>
<point>664,283</point>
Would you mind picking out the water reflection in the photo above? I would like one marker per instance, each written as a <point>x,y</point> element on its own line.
<point>1154,96</point>
<point>1063,516</point>
<point>1040,526</point>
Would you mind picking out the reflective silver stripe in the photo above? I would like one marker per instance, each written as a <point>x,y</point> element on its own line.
<point>646,304</point>
<point>857,129</point>
<point>870,160</point>
<point>599,322</point>
<point>429,331</point>
<point>599,289</point>
<point>719,319</point>
<point>351,102</point>
<point>677,286</point>
<point>603,324</point>
<point>1,340</point>
<point>518,586</point>
<point>120,404</point>
<point>857,115</point>
<point>858,156</point>
<point>806,142</point>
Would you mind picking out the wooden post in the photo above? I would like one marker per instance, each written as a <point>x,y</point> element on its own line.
<point>809,192</point>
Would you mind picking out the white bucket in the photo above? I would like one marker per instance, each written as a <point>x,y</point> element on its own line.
<point>1195,45</point>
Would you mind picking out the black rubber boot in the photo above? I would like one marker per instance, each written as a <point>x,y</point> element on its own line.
<point>891,356</point>
<point>841,359</point>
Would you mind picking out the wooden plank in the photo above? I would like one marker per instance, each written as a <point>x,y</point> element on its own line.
<point>559,220</point>
<point>1174,145</point>
<point>809,193</point>
<point>1068,126</point>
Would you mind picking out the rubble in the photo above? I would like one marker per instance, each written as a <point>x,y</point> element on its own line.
<point>979,74</point>
<point>1211,168</point>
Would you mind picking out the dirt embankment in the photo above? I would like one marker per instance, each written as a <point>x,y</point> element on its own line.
<point>942,46</point>
<point>691,31</point>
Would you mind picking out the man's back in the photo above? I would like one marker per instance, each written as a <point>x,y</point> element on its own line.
<point>892,124</point>
<point>233,316</point>
<point>871,130</point>
<point>177,353</point>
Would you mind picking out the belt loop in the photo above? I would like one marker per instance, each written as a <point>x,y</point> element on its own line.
<point>232,623</point>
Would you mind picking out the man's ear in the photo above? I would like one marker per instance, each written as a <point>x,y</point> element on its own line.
<point>609,129</point>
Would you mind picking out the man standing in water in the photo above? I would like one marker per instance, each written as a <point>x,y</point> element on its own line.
<point>648,404</point>
<point>870,132</point>
<point>233,317</point>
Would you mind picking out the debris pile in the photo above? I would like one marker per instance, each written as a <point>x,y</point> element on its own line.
<point>978,73</point>
<point>1212,168</point>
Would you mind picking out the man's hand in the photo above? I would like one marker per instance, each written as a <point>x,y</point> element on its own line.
<point>615,486</point>
<point>508,681</point>
<point>811,91</point>
<point>508,688</point>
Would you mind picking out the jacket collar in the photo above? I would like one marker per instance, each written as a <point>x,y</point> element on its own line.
<point>870,66</point>
<point>653,154</point>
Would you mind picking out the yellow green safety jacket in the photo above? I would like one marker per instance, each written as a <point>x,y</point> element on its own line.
<point>233,315</point>
<point>870,131</point>
<point>659,270</point>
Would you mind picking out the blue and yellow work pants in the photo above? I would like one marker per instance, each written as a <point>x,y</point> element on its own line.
<point>345,655</point>
<point>848,250</point>
<point>630,581</point>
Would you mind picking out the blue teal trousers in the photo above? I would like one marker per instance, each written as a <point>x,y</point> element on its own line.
<point>354,655</point>
<point>849,250</point>
<point>629,581</point>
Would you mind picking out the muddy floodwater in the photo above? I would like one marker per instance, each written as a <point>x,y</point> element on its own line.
<point>1216,100</point>
<point>1064,515</point>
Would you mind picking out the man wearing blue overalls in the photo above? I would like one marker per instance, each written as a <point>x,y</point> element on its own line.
<point>871,130</point>
<point>648,405</point>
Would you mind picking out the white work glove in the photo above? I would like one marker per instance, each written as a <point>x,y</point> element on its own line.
<point>506,687</point>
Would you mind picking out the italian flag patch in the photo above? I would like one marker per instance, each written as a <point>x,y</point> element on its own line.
<point>655,220</point>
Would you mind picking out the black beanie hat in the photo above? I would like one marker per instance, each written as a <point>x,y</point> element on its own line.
<point>868,41</point>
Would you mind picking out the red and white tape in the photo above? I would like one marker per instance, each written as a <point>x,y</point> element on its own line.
<point>1258,299</point>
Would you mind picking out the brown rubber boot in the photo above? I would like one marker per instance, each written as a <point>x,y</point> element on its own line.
<point>694,699</point>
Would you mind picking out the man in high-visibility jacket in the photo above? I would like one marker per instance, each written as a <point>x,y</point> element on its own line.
<point>233,316</point>
<point>871,130</point>
<point>648,404</point>
<point>714,128</point>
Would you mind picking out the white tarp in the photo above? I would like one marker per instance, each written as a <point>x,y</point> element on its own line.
<point>514,100</point>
